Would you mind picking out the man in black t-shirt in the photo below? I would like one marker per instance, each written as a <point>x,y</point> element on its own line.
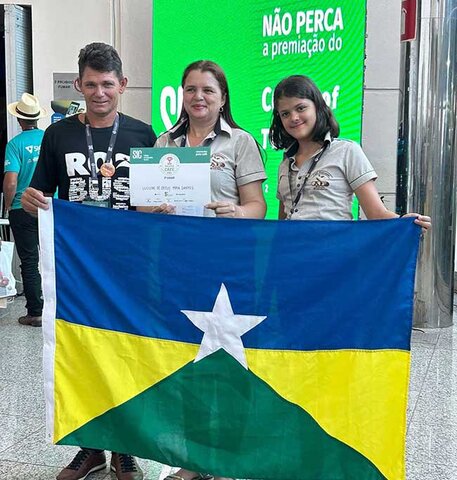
<point>86,157</point>
<point>64,159</point>
<point>65,163</point>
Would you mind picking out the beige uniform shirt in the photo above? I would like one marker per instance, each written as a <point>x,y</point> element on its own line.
<point>235,158</point>
<point>328,193</point>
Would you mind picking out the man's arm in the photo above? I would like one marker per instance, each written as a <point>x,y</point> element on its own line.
<point>13,163</point>
<point>9,188</point>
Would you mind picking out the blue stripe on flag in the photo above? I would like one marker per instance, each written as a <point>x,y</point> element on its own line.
<point>322,285</point>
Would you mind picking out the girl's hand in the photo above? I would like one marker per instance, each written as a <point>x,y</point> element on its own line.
<point>226,209</point>
<point>422,220</point>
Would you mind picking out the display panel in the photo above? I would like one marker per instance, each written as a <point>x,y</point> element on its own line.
<point>258,44</point>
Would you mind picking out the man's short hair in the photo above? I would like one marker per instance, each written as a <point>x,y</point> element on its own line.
<point>100,57</point>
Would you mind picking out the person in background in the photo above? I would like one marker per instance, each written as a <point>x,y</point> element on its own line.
<point>320,172</point>
<point>21,156</point>
<point>86,156</point>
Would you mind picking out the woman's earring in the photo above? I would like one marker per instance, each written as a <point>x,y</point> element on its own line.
<point>221,109</point>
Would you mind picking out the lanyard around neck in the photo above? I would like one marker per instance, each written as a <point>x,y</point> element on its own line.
<point>305,179</point>
<point>90,145</point>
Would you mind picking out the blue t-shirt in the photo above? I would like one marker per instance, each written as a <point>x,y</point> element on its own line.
<point>21,157</point>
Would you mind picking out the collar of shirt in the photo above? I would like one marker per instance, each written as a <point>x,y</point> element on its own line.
<point>180,130</point>
<point>293,149</point>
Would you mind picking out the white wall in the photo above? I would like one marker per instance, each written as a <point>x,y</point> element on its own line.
<point>135,47</point>
<point>60,28</point>
<point>382,93</point>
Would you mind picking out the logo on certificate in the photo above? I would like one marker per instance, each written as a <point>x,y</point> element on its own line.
<point>169,164</point>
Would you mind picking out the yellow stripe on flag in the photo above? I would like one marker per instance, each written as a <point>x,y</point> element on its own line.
<point>96,370</point>
<point>357,396</point>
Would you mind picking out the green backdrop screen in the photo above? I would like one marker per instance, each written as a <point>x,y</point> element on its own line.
<point>258,43</point>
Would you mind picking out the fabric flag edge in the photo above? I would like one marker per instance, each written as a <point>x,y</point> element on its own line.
<point>47,261</point>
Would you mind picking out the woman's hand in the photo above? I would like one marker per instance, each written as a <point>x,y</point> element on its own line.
<point>226,209</point>
<point>164,208</point>
<point>422,220</point>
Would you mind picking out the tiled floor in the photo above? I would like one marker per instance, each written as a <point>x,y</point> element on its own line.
<point>25,455</point>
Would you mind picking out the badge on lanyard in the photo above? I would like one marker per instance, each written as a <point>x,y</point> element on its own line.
<point>107,170</point>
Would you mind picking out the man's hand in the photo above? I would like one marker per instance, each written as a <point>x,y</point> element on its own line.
<point>164,208</point>
<point>32,200</point>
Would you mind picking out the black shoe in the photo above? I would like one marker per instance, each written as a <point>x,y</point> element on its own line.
<point>30,320</point>
<point>125,467</point>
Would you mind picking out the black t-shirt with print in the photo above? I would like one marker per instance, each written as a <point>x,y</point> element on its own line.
<point>64,160</point>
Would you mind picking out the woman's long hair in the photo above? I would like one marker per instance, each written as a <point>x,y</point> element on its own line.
<point>300,86</point>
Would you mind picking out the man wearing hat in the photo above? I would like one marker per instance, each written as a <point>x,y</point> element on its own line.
<point>21,157</point>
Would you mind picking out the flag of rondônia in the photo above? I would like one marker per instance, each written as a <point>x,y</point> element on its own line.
<point>243,348</point>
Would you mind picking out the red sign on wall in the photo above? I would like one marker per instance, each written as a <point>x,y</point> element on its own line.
<point>408,20</point>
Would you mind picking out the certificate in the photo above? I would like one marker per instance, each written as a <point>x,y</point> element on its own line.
<point>179,176</point>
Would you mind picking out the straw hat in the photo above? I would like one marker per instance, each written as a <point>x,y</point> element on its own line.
<point>28,108</point>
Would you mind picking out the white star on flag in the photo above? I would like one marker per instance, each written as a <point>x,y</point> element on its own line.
<point>222,328</point>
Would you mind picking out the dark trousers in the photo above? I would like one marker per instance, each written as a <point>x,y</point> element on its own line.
<point>25,231</point>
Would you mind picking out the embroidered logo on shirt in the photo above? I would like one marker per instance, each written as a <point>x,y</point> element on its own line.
<point>218,161</point>
<point>320,179</point>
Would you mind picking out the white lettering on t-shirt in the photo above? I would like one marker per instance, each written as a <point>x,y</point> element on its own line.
<point>78,164</point>
<point>75,164</point>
